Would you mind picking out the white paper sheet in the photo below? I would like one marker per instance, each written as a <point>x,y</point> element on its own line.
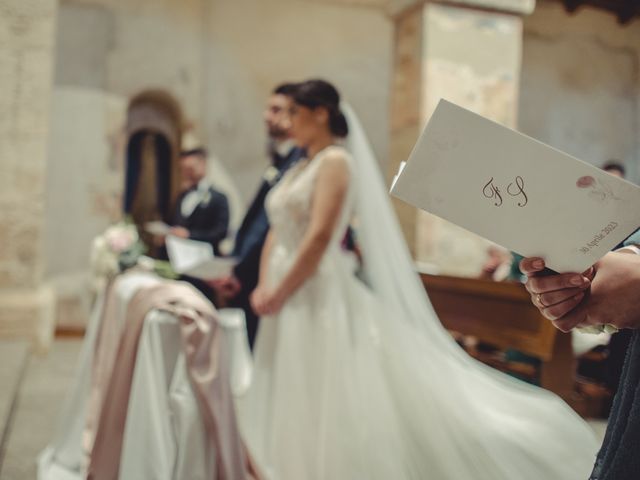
<point>157,228</point>
<point>196,259</point>
<point>517,191</point>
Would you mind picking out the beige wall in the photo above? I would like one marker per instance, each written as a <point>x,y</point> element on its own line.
<point>26,48</point>
<point>580,88</point>
<point>472,58</point>
<point>254,45</point>
<point>26,53</point>
<point>107,51</point>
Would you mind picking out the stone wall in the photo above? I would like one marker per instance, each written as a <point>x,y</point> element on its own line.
<point>580,87</point>
<point>26,53</point>
<point>471,58</point>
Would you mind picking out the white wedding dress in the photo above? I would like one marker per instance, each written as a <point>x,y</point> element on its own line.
<point>347,387</point>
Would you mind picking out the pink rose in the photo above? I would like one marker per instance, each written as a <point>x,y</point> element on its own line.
<point>120,240</point>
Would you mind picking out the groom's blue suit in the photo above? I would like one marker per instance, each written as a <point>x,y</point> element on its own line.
<point>250,239</point>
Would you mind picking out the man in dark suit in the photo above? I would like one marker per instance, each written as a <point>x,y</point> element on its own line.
<point>202,213</point>
<point>255,226</point>
<point>606,294</point>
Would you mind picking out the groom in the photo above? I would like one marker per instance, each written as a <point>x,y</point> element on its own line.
<point>250,238</point>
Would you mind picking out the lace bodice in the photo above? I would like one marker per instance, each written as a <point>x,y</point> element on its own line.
<point>289,203</point>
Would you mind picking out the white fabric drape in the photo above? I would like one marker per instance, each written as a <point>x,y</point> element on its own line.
<point>164,435</point>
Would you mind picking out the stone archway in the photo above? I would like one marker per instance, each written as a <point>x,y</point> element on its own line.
<point>154,129</point>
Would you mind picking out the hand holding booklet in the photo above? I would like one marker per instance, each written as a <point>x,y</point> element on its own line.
<point>196,259</point>
<point>517,191</point>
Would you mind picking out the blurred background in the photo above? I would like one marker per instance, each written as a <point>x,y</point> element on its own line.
<point>80,78</point>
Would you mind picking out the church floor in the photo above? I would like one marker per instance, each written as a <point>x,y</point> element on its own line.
<point>32,389</point>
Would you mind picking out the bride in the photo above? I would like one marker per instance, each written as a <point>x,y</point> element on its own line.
<point>357,380</point>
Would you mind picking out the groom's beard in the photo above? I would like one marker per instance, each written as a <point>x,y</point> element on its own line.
<point>277,134</point>
<point>275,151</point>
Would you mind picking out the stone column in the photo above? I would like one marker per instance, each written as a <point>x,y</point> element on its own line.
<point>26,57</point>
<point>470,54</point>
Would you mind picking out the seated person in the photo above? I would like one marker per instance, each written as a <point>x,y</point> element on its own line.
<point>497,265</point>
<point>615,168</point>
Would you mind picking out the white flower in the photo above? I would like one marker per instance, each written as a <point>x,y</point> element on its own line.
<point>118,248</point>
<point>104,261</point>
<point>121,237</point>
<point>271,174</point>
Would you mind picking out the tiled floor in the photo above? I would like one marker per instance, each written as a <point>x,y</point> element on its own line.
<point>32,389</point>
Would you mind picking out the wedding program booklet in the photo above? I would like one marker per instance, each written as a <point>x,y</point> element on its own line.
<point>196,259</point>
<point>516,191</point>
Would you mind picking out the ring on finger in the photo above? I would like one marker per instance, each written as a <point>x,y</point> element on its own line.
<point>540,302</point>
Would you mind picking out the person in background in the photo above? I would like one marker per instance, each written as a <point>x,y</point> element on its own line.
<point>607,293</point>
<point>619,343</point>
<point>497,266</point>
<point>616,168</point>
<point>201,212</point>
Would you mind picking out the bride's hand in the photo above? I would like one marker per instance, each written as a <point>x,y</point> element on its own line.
<point>266,302</point>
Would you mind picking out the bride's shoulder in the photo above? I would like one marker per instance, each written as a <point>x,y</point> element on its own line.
<point>336,155</point>
<point>334,165</point>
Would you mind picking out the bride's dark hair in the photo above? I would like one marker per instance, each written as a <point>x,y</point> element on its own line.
<point>320,93</point>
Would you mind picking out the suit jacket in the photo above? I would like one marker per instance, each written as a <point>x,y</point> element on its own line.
<point>255,226</point>
<point>209,221</point>
<point>618,458</point>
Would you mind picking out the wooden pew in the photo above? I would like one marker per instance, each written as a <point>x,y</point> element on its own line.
<point>500,314</point>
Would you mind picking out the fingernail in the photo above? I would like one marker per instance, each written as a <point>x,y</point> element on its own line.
<point>562,327</point>
<point>577,281</point>
<point>538,264</point>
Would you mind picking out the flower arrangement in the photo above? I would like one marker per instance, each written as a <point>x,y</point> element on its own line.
<point>118,249</point>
